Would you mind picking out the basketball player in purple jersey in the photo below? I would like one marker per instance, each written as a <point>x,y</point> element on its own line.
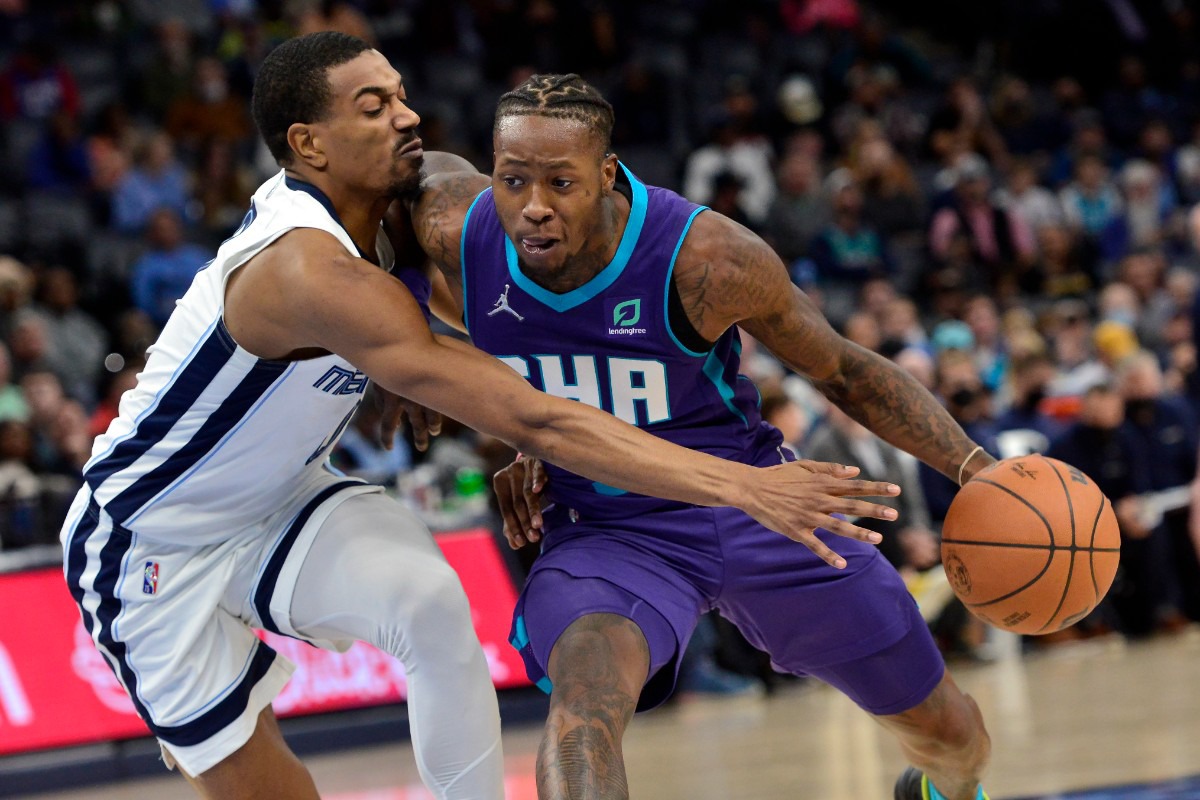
<point>626,297</point>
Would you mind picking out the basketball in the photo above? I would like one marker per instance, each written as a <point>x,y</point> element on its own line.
<point>1030,545</point>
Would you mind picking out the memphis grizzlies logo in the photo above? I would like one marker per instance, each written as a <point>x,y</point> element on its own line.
<point>623,316</point>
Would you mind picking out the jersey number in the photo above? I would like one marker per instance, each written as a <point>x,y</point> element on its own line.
<point>636,391</point>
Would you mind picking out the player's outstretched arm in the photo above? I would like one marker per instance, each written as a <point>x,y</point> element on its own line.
<point>726,275</point>
<point>310,295</point>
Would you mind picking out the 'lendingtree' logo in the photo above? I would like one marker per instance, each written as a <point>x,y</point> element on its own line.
<point>627,314</point>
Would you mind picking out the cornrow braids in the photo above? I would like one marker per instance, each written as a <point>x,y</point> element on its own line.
<point>559,97</point>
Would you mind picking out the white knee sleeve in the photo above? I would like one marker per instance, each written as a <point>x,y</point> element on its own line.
<point>375,574</point>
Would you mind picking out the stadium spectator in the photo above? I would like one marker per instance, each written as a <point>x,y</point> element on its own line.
<point>999,242</point>
<point>732,147</point>
<point>209,111</point>
<point>1145,594</point>
<point>799,210</point>
<point>168,75</point>
<point>1167,428</point>
<point>36,84</point>
<point>847,251</point>
<point>157,180</point>
<point>165,271</point>
<point>12,399</point>
<point>77,344</point>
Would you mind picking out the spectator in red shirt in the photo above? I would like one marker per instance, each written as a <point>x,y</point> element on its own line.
<point>37,84</point>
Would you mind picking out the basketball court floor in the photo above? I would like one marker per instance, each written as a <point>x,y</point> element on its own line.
<point>1094,720</point>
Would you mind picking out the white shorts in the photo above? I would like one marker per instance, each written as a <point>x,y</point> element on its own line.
<point>174,622</point>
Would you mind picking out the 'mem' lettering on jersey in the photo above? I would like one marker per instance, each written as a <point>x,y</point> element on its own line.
<point>338,380</point>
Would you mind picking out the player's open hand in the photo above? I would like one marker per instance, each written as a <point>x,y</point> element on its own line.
<point>425,422</point>
<point>797,498</point>
<point>519,489</point>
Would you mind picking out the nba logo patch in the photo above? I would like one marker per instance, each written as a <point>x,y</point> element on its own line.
<point>150,578</point>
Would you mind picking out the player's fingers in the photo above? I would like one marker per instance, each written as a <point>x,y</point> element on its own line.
<point>826,468</point>
<point>512,486</point>
<point>857,488</point>
<point>533,504</point>
<point>513,531</point>
<point>538,472</point>
<point>851,531</point>
<point>433,421</point>
<point>389,424</point>
<point>824,552</point>
<point>861,508</point>
<point>418,425</point>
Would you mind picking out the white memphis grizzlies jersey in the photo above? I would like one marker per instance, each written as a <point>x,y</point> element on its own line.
<point>213,438</point>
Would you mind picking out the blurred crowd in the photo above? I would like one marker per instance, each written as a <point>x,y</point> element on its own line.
<point>1014,221</point>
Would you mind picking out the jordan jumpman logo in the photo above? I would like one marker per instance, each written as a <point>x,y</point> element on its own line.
<point>502,305</point>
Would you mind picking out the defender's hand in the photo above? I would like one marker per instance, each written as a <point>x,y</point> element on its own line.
<point>519,493</point>
<point>797,498</point>
<point>425,422</point>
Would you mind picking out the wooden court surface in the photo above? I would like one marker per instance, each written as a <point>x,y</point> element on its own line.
<point>1076,716</point>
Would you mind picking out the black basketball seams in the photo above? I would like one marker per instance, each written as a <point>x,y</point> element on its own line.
<point>1071,562</point>
<point>1050,547</point>
<point>1027,504</point>
<point>1092,549</point>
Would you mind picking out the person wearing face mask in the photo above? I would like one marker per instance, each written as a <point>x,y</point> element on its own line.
<point>1144,596</point>
<point>1024,427</point>
<point>1167,427</point>
<point>962,392</point>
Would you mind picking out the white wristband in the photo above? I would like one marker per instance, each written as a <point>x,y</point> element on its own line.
<point>978,448</point>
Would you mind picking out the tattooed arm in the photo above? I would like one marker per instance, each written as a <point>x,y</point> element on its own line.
<point>433,219</point>
<point>726,275</point>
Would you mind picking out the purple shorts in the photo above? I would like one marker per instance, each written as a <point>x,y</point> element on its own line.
<point>857,629</point>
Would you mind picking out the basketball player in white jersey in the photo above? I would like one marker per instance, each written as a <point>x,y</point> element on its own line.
<point>208,508</point>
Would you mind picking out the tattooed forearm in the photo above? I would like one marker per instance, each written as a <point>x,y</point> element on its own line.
<point>726,275</point>
<point>892,404</point>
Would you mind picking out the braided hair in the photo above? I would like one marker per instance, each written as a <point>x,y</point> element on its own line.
<point>559,97</point>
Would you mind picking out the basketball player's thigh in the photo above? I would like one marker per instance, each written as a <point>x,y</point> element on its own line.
<point>358,562</point>
<point>858,628</point>
<point>577,579</point>
<point>197,675</point>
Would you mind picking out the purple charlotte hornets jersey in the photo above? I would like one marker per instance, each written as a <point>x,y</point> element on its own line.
<point>609,343</point>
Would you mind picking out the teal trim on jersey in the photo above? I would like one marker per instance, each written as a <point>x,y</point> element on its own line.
<point>462,255</point>
<point>545,685</point>
<point>930,791</point>
<point>714,370</point>
<point>606,277</point>
<point>757,393</point>
<point>521,635</point>
<point>667,286</point>
<point>606,490</point>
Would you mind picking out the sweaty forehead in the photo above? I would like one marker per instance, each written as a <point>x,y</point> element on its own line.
<point>541,138</point>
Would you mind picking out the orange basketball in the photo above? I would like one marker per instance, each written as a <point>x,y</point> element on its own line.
<point>1030,545</point>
